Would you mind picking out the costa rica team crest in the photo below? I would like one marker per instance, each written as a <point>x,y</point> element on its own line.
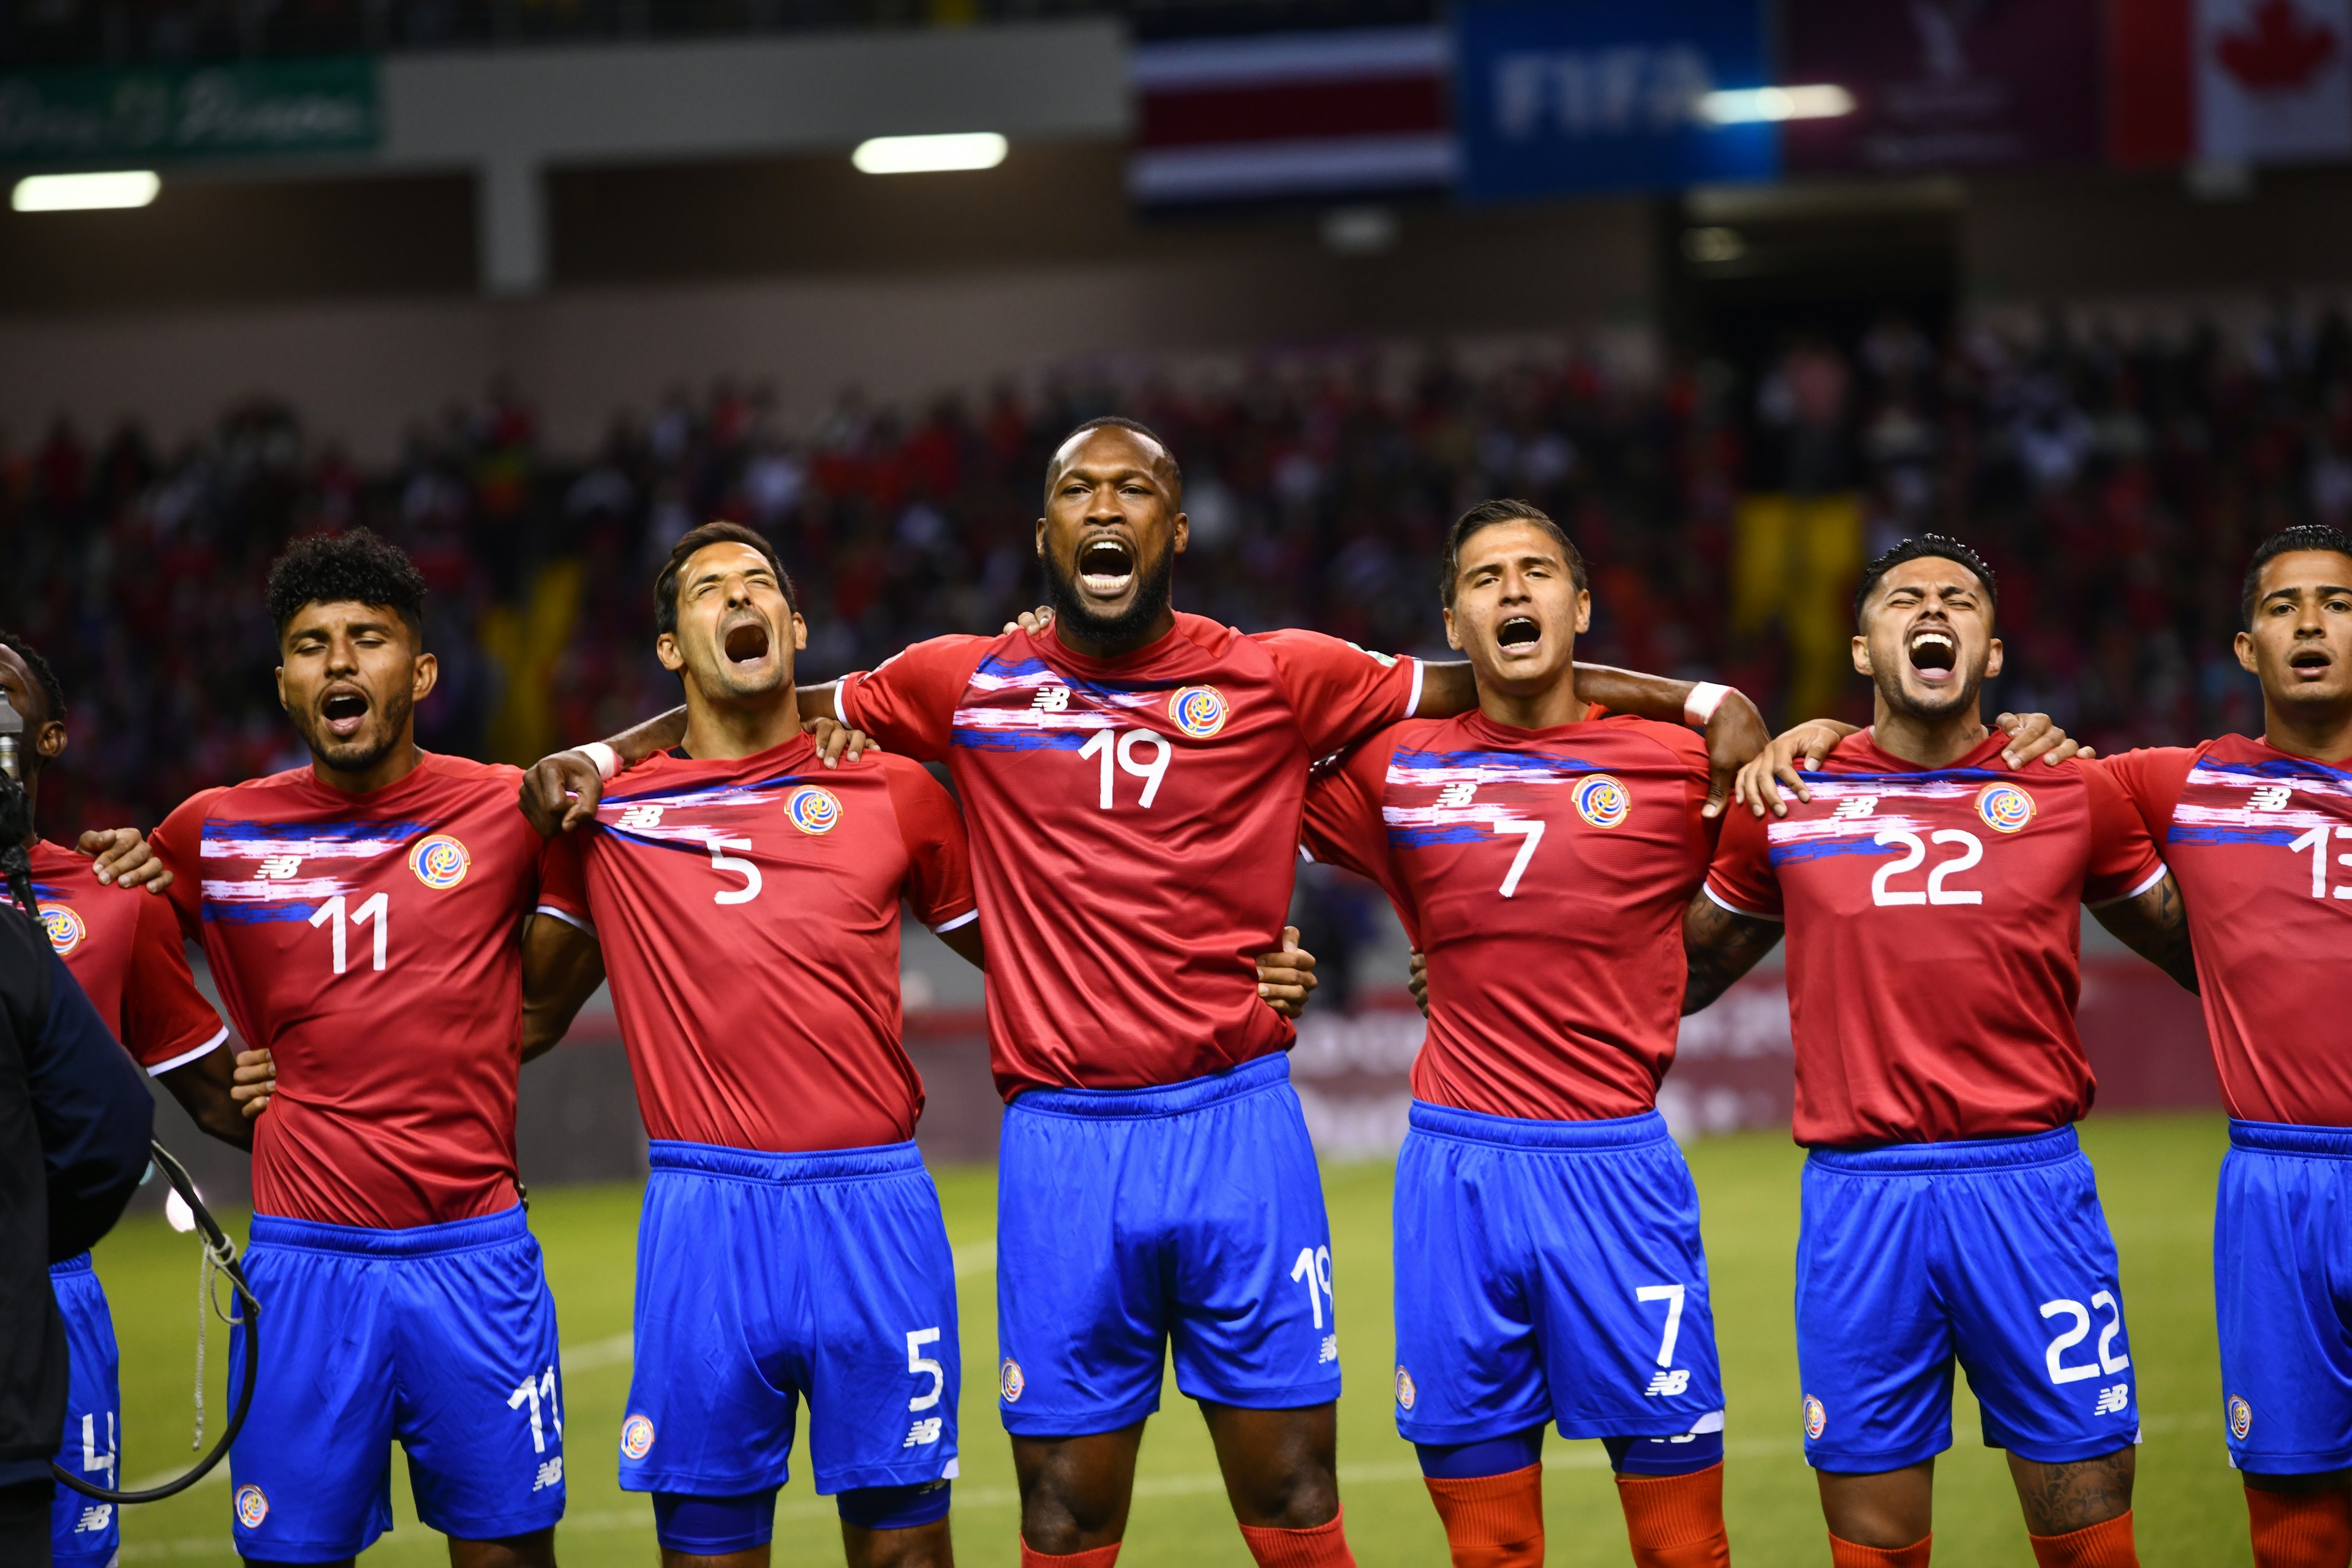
<point>1817,1419</point>
<point>2242,1418</point>
<point>252,1507</point>
<point>1600,800</point>
<point>440,862</point>
<point>1405,1392</point>
<point>813,808</point>
<point>65,928</point>
<point>2004,807</point>
<point>1198,710</point>
<point>1008,1381</point>
<point>636,1437</point>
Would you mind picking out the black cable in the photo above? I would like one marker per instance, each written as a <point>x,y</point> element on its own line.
<point>218,1243</point>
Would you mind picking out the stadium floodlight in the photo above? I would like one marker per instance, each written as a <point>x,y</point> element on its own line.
<point>85,193</point>
<point>929,154</point>
<point>1758,105</point>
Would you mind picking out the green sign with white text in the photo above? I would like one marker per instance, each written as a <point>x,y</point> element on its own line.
<point>86,115</point>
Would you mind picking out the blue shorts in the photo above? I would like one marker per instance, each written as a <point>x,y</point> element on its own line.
<point>1992,1250</point>
<point>83,1531</point>
<point>441,1336</point>
<point>1549,1270</point>
<point>2282,1297</point>
<point>766,1279</point>
<point>1130,1218</point>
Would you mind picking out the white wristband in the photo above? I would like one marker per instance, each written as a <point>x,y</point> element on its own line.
<point>1700,705</point>
<point>607,761</point>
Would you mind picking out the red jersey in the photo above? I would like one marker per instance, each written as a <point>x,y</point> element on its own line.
<point>1134,828</point>
<point>1544,873</point>
<point>374,944</point>
<point>123,946</point>
<point>1935,937</point>
<point>771,874</point>
<point>2260,842</point>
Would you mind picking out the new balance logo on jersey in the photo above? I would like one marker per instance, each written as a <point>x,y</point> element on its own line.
<point>1052,700</point>
<point>1456,796</point>
<point>1854,806</point>
<point>2272,797</point>
<point>638,818</point>
<point>279,869</point>
<point>923,1434</point>
<point>2113,1400</point>
<point>1668,1383</point>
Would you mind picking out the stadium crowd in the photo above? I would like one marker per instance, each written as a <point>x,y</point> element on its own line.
<point>2117,485</point>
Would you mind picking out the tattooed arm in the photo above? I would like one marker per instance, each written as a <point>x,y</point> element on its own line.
<point>1721,945</point>
<point>2155,924</point>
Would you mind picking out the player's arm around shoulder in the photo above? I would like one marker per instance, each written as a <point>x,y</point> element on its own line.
<point>562,964</point>
<point>2129,890</point>
<point>1734,918</point>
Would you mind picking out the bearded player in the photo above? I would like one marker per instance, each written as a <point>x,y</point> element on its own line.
<point>1132,780</point>
<point>1541,853</point>
<point>1929,894</point>
<point>369,920</point>
<point>124,948</point>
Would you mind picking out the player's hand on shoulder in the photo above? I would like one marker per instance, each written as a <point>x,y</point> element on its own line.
<point>561,792</point>
<point>1794,751</point>
<point>836,743</point>
<point>1032,621</point>
<point>1417,981</point>
<point>125,858</point>
<point>253,1082</point>
<point>1286,977</point>
<point>1735,736</point>
<point>2032,735</point>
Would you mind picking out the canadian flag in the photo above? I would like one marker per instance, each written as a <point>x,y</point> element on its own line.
<point>2231,80</point>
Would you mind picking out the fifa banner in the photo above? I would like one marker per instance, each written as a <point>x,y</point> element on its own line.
<point>1608,95</point>
<point>1945,84</point>
<point>1290,114</point>
<point>100,114</point>
<point>2232,81</point>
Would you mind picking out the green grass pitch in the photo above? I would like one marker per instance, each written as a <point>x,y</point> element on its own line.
<point>2156,1174</point>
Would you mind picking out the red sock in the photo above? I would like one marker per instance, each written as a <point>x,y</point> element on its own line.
<point>1324,1546</point>
<point>1846,1554</point>
<point>1675,1521</point>
<point>2106,1545</point>
<point>2301,1530</point>
<point>1492,1521</point>
<point>1100,1557</point>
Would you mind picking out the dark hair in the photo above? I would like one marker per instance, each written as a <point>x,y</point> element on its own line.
<point>1927,546</point>
<point>702,538</point>
<point>2285,542</point>
<point>359,567</point>
<point>52,692</point>
<point>1134,426</point>
<point>1486,514</point>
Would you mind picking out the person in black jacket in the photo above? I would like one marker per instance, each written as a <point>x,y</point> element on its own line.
<point>75,1125</point>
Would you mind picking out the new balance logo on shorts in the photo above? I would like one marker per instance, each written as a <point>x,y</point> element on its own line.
<point>2113,1400</point>
<point>922,1433</point>
<point>1669,1382</point>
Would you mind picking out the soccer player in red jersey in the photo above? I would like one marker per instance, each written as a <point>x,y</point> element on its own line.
<point>368,921</point>
<point>1549,1265</point>
<point>1929,894</point>
<point>1133,781</point>
<point>123,946</point>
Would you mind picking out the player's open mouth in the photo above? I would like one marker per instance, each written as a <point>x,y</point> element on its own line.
<point>344,710</point>
<point>746,642</point>
<point>1518,632</point>
<point>2315,659</point>
<point>1933,655</point>
<point>1106,567</point>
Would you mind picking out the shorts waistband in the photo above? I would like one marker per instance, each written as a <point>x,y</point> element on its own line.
<point>1519,1132</point>
<point>1956,1155</point>
<point>761,1165</point>
<point>77,1264</point>
<point>1266,1072</point>
<point>2292,1138</point>
<point>411,1241</point>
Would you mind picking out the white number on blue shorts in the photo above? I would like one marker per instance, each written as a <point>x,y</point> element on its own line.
<point>1672,1295</point>
<point>1314,1269</point>
<point>534,1391</point>
<point>918,1363</point>
<point>2108,1362</point>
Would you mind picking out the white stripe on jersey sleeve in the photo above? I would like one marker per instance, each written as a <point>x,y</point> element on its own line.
<point>184,1058</point>
<point>2153,878</point>
<point>964,919</point>
<point>1720,902</point>
<point>1413,697</point>
<point>567,917</point>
